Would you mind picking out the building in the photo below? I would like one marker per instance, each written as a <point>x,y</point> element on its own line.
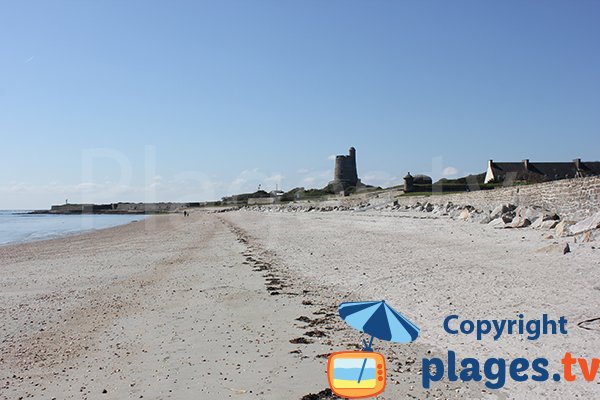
<point>345,174</point>
<point>534,172</point>
<point>419,179</point>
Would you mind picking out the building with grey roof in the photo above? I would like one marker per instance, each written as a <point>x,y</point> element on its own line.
<point>534,172</point>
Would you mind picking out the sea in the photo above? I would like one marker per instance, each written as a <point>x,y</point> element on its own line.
<point>18,226</point>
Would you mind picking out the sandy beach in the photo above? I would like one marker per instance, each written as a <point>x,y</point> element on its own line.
<point>300,200</point>
<point>243,304</point>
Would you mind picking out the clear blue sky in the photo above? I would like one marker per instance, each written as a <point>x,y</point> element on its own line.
<point>198,99</point>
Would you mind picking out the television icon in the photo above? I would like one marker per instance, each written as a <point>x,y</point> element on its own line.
<point>356,374</point>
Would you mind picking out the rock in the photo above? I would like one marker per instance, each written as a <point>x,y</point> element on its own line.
<point>464,214</point>
<point>553,217</point>
<point>521,210</point>
<point>562,228</point>
<point>496,212</point>
<point>454,213</point>
<point>499,210</point>
<point>530,213</point>
<point>544,224</point>
<point>587,224</point>
<point>499,223</point>
<point>567,249</point>
<point>502,209</point>
<point>508,217</point>
<point>545,221</point>
<point>482,218</point>
<point>587,236</point>
<point>555,248</point>
<point>439,210</point>
<point>520,222</point>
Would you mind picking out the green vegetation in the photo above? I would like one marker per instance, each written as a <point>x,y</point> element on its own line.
<point>243,198</point>
<point>300,193</point>
<point>322,194</point>
<point>441,187</point>
<point>469,179</point>
<point>466,184</point>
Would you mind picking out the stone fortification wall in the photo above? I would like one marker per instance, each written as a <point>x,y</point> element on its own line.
<point>570,198</point>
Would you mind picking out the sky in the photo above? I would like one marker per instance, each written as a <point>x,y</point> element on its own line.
<point>107,101</point>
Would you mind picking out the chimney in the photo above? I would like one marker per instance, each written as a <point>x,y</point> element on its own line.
<point>526,164</point>
<point>490,163</point>
<point>577,162</point>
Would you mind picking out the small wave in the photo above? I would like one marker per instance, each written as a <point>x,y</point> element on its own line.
<point>16,228</point>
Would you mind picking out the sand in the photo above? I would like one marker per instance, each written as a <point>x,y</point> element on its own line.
<point>243,304</point>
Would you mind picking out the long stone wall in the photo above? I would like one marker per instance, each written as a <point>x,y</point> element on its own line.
<point>118,208</point>
<point>570,198</point>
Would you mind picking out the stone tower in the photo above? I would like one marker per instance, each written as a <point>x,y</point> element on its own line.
<point>345,174</point>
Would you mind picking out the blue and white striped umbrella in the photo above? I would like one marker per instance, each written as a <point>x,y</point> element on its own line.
<point>377,319</point>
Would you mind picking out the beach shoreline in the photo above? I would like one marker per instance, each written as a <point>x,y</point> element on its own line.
<point>22,227</point>
<point>244,303</point>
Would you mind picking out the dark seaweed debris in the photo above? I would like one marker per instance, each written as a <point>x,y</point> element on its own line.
<point>326,394</point>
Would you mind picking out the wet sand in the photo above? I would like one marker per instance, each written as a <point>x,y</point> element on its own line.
<point>243,304</point>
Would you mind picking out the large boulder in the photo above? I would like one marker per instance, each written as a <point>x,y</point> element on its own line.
<point>531,213</point>
<point>508,217</point>
<point>548,224</point>
<point>482,218</point>
<point>547,221</point>
<point>499,223</point>
<point>554,248</point>
<point>439,210</point>
<point>588,236</point>
<point>502,209</point>
<point>551,217</point>
<point>464,215</point>
<point>454,213</point>
<point>562,228</point>
<point>520,222</point>
<point>585,225</point>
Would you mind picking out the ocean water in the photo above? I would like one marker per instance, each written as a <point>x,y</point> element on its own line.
<point>18,226</point>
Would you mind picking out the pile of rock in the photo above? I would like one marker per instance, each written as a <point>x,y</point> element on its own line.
<point>296,208</point>
<point>588,229</point>
<point>508,216</point>
<point>504,216</point>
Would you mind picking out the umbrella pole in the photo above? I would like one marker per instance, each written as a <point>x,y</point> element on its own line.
<point>367,348</point>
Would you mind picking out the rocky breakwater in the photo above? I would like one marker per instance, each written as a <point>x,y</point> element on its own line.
<point>510,216</point>
<point>504,216</point>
